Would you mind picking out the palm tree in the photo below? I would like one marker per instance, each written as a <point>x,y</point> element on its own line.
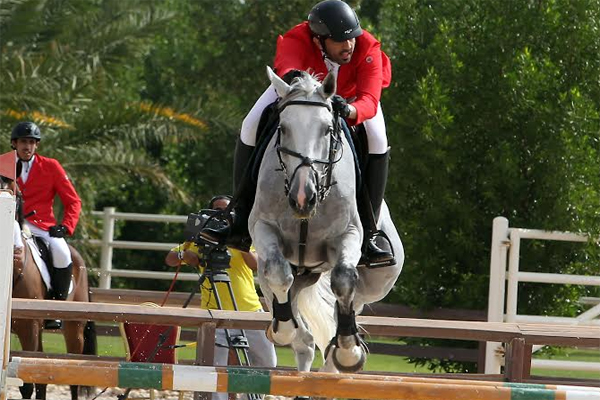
<point>73,67</point>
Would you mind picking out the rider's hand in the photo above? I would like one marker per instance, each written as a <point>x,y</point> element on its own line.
<point>340,105</point>
<point>58,231</point>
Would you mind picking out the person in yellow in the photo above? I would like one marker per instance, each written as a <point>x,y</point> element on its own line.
<point>261,351</point>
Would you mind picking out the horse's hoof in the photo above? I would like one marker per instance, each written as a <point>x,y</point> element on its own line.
<point>281,338</point>
<point>344,359</point>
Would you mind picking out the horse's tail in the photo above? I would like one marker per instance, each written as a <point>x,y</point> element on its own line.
<point>316,304</point>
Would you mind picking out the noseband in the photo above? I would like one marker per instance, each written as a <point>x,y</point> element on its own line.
<point>335,142</point>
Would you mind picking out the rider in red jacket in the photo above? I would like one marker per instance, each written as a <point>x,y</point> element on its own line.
<point>331,41</point>
<point>40,180</point>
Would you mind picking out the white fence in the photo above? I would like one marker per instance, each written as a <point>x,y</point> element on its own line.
<point>107,244</point>
<point>505,273</point>
<point>7,218</point>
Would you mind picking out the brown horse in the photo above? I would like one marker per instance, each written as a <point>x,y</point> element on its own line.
<point>80,337</point>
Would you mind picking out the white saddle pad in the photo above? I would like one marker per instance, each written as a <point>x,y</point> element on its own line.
<point>40,264</point>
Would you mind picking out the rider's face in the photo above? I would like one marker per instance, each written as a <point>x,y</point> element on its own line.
<point>339,52</point>
<point>25,148</point>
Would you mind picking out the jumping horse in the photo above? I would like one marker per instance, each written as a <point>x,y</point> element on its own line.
<point>306,229</point>
<point>28,283</point>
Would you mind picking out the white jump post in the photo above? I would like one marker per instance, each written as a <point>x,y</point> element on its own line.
<point>108,230</point>
<point>499,249</point>
<point>7,218</point>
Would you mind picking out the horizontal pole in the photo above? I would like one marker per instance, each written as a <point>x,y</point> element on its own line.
<point>131,245</point>
<point>587,366</point>
<point>550,235</point>
<point>143,217</point>
<point>542,277</point>
<point>542,319</point>
<point>442,329</point>
<point>124,273</point>
<point>285,383</point>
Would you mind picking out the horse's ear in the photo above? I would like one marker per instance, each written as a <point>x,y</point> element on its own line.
<point>328,86</point>
<point>280,86</point>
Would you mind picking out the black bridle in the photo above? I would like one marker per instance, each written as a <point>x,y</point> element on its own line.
<point>334,132</point>
<point>323,188</point>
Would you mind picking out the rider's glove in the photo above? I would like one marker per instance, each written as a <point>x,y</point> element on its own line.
<point>340,105</point>
<point>58,231</point>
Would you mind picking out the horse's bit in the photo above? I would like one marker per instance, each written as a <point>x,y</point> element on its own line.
<point>323,189</point>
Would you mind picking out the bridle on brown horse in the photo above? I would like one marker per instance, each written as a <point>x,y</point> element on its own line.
<point>9,184</point>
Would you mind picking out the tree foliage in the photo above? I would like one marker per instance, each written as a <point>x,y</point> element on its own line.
<point>494,110</point>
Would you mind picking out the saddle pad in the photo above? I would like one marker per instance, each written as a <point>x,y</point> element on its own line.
<point>40,264</point>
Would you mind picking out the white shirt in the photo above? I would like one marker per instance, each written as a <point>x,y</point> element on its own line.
<point>26,168</point>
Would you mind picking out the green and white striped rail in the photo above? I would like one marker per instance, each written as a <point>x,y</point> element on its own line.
<point>285,383</point>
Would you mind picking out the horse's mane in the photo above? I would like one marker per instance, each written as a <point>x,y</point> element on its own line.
<point>303,85</point>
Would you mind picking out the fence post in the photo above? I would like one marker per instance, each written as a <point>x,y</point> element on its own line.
<point>108,230</point>
<point>498,252</point>
<point>7,218</point>
<point>512,283</point>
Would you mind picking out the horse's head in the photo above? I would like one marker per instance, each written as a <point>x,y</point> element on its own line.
<point>9,184</point>
<point>307,139</point>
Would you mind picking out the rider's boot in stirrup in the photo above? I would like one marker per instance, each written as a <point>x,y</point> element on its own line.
<point>235,234</point>
<point>376,178</point>
<point>61,282</point>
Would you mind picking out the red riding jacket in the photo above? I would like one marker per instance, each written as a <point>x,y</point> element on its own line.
<point>46,179</point>
<point>363,77</point>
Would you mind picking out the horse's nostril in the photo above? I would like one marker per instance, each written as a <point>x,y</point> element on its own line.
<point>292,202</point>
<point>313,200</point>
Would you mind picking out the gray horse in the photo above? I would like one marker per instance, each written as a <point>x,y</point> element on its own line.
<point>307,233</point>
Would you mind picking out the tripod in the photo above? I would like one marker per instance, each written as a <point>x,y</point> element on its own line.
<point>237,342</point>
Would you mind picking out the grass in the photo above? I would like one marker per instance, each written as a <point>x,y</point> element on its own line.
<point>113,346</point>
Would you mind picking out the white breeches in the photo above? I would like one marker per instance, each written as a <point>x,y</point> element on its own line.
<point>375,127</point>
<point>61,255</point>
<point>18,240</point>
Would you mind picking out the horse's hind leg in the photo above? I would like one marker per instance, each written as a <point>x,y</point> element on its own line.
<point>40,389</point>
<point>29,334</point>
<point>375,283</point>
<point>73,334</point>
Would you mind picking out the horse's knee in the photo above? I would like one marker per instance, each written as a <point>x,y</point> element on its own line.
<point>278,276</point>
<point>344,279</point>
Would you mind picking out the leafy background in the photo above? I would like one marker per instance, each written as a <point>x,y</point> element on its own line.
<point>494,110</point>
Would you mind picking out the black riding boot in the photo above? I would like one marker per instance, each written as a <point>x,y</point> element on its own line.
<point>236,234</point>
<point>60,281</point>
<point>375,179</point>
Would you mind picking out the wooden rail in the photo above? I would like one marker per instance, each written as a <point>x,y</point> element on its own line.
<point>284,383</point>
<point>519,337</point>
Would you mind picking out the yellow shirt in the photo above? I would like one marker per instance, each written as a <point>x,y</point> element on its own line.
<point>242,284</point>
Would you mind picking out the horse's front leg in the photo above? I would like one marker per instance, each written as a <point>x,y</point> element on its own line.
<point>346,350</point>
<point>276,278</point>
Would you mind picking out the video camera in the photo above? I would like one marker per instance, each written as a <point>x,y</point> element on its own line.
<point>212,256</point>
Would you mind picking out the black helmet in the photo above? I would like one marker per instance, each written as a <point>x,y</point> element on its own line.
<point>25,130</point>
<point>334,19</point>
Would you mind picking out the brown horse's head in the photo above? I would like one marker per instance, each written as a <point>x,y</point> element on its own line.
<point>9,184</point>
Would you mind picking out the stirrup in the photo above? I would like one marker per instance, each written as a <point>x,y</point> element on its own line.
<point>365,262</point>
